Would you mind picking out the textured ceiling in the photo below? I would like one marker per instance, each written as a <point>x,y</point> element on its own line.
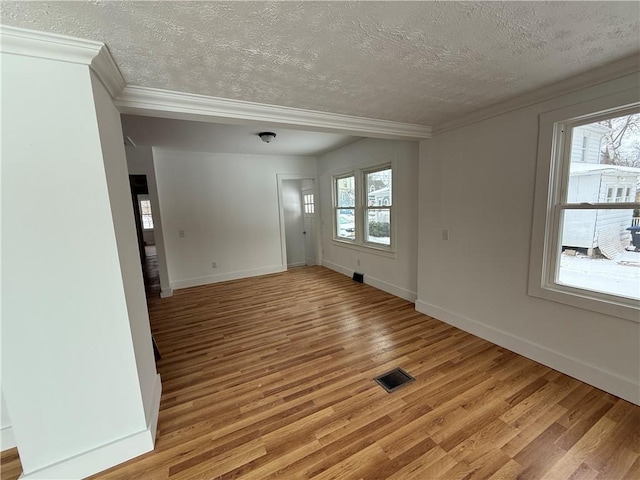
<point>416,62</point>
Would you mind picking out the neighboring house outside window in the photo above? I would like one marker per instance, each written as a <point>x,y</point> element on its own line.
<point>363,207</point>
<point>581,252</point>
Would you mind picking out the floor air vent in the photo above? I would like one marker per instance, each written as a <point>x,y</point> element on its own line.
<point>394,379</point>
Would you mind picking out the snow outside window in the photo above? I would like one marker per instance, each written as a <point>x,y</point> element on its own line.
<point>584,252</point>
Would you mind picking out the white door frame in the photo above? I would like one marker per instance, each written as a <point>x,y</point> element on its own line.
<point>283,242</point>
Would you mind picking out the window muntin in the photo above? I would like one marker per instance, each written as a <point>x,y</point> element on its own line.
<point>363,204</point>
<point>591,212</point>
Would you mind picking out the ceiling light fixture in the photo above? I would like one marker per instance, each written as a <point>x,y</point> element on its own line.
<point>266,137</point>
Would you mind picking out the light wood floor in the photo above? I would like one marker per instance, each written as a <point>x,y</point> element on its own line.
<point>271,377</point>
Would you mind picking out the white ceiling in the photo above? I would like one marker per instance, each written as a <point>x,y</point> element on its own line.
<point>415,62</point>
<point>218,138</point>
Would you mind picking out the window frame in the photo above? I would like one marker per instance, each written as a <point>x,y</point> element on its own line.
<point>366,208</point>
<point>554,148</point>
<point>361,210</point>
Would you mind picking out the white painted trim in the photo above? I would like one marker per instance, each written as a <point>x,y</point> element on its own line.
<point>224,277</point>
<point>108,72</point>
<point>374,282</point>
<point>62,48</point>
<point>96,460</point>
<point>155,102</point>
<point>166,292</point>
<point>606,73</point>
<point>296,264</point>
<point>625,388</point>
<point>106,456</point>
<point>7,439</point>
<point>153,409</point>
<point>50,46</point>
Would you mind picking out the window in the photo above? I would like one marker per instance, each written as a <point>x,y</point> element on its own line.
<point>145,215</point>
<point>309,205</point>
<point>581,253</point>
<point>378,209</point>
<point>610,195</point>
<point>363,207</point>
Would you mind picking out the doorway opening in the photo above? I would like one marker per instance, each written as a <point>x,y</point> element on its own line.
<point>145,232</point>
<point>298,212</point>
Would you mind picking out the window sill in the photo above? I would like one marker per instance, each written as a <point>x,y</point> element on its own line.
<point>587,300</point>
<point>383,252</point>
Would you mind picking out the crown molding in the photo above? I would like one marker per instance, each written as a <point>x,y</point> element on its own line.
<point>611,71</point>
<point>108,72</point>
<point>61,48</point>
<point>186,106</point>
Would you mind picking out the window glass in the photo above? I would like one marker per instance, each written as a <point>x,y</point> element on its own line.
<point>346,191</point>
<point>596,250</point>
<point>363,207</point>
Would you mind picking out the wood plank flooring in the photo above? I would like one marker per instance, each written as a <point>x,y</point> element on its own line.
<point>271,378</point>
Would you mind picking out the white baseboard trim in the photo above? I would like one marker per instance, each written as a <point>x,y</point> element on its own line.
<point>224,277</point>
<point>153,410</point>
<point>166,292</point>
<point>296,264</point>
<point>96,460</point>
<point>374,282</point>
<point>109,455</point>
<point>7,440</point>
<point>610,382</point>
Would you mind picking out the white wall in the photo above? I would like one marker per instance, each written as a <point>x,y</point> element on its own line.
<point>227,207</point>
<point>124,222</point>
<point>69,372</point>
<point>7,439</point>
<point>397,274</point>
<point>478,182</point>
<point>140,162</point>
<point>294,226</point>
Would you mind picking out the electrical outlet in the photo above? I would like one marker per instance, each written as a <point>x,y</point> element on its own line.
<point>214,265</point>
<point>445,234</point>
<point>181,233</point>
<point>358,262</point>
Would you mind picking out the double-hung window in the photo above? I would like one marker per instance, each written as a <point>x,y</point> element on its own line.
<point>363,207</point>
<point>582,247</point>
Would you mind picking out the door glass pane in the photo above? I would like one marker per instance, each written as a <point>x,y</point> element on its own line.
<point>147,217</point>
<point>598,252</point>
<point>378,226</point>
